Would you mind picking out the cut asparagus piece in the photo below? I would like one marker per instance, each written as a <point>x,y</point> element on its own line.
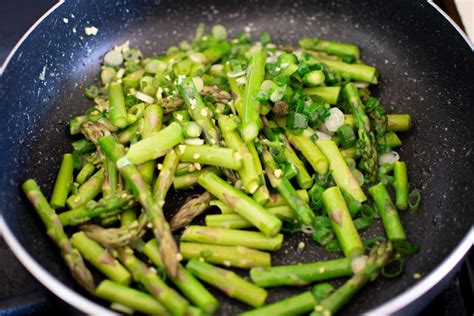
<point>231,237</point>
<point>400,184</point>
<point>137,300</point>
<point>185,281</point>
<point>161,229</point>
<point>88,191</point>
<point>211,155</point>
<point>241,203</point>
<point>296,305</point>
<point>63,181</point>
<point>50,219</point>
<point>190,210</point>
<point>153,147</point>
<point>340,172</point>
<point>228,282</point>
<point>378,257</point>
<point>229,256</point>
<point>301,274</point>
<point>100,258</point>
<point>388,212</point>
<point>142,274</point>
<point>342,223</point>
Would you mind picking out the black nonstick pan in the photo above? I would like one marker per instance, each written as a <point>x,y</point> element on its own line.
<point>426,70</point>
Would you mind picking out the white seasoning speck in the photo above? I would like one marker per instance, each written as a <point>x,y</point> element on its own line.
<point>226,263</point>
<point>153,270</point>
<point>149,225</point>
<point>66,20</point>
<point>196,156</point>
<point>179,257</point>
<point>159,166</point>
<point>278,173</point>
<point>301,245</point>
<point>197,165</point>
<point>179,117</point>
<point>204,112</point>
<point>416,276</point>
<point>182,148</point>
<point>91,30</point>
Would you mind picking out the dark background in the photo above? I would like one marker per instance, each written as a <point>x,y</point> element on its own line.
<point>21,294</point>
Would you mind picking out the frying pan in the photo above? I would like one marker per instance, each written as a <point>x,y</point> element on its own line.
<point>426,70</point>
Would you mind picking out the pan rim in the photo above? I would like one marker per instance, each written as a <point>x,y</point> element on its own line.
<point>88,306</point>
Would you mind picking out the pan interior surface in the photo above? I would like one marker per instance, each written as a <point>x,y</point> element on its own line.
<point>425,70</point>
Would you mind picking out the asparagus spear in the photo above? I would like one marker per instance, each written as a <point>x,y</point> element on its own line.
<point>247,171</point>
<point>302,210</point>
<point>279,200</point>
<point>161,229</point>
<point>50,219</point>
<point>262,194</point>
<point>229,256</point>
<point>241,203</point>
<point>190,179</point>
<point>398,122</point>
<point>154,146</point>
<point>211,155</point>
<point>117,113</point>
<point>231,237</point>
<point>329,94</point>
<point>86,172</point>
<point>185,281</point>
<point>388,212</point>
<point>110,183</point>
<point>228,282</point>
<point>342,223</point>
<point>190,210</point>
<point>166,177</point>
<point>200,113</point>
<point>139,301</point>
<point>334,48</point>
<point>88,191</point>
<point>100,258</point>
<point>152,123</point>
<point>142,274</point>
<point>340,172</point>
<point>63,181</point>
<point>301,274</point>
<point>400,184</point>
<point>366,140</point>
<point>127,217</point>
<point>395,122</point>
<point>378,257</point>
<point>309,150</point>
<point>296,305</point>
<point>304,179</point>
<point>251,108</point>
<point>235,221</point>
<point>357,72</point>
<point>105,206</point>
<point>113,237</point>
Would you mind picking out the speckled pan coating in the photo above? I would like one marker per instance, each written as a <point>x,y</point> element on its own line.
<point>426,70</point>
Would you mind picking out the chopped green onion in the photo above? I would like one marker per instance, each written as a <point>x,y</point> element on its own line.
<point>265,38</point>
<point>323,235</point>
<point>91,91</point>
<point>404,247</point>
<point>414,200</point>
<point>333,246</point>
<point>393,268</point>
<point>219,32</point>
<point>297,120</point>
<point>347,136</point>
<point>314,78</point>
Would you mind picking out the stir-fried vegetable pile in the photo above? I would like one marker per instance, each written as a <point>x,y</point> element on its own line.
<point>282,139</point>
